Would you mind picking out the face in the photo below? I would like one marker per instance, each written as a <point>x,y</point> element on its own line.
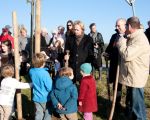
<point>69,25</point>
<point>23,32</point>
<point>93,29</point>
<point>5,48</point>
<point>121,26</point>
<point>78,30</point>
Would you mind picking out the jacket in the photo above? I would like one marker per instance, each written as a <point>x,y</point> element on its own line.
<point>98,39</point>
<point>87,95</point>
<point>42,84</point>
<point>79,54</point>
<point>134,64</point>
<point>65,93</point>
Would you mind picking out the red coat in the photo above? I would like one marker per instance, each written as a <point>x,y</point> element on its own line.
<point>87,95</point>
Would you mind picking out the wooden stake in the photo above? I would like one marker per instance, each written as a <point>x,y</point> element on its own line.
<point>17,63</point>
<point>38,26</point>
<point>67,62</point>
<point>114,96</point>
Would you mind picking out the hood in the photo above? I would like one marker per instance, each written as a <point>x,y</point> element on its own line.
<point>63,82</point>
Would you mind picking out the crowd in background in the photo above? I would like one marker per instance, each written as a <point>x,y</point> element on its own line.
<point>55,81</point>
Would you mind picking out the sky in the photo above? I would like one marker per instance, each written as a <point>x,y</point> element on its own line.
<point>57,12</point>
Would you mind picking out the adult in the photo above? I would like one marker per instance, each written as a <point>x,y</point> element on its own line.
<point>98,46</point>
<point>134,66</point>
<point>81,49</point>
<point>147,32</point>
<point>6,36</point>
<point>24,40</point>
<point>61,34</point>
<point>70,29</point>
<point>112,54</point>
<point>45,34</point>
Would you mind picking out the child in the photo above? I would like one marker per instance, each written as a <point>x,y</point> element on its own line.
<point>87,93</point>
<point>42,86</point>
<point>24,55</point>
<point>64,95</point>
<point>7,91</point>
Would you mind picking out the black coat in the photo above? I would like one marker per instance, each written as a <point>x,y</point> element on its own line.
<point>112,50</point>
<point>147,33</point>
<point>98,51</point>
<point>79,54</point>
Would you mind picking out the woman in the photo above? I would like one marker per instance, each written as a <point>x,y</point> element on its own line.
<point>81,49</point>
<point>70,29</point>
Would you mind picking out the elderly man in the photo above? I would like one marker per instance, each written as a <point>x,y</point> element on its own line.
<point>134,66</point>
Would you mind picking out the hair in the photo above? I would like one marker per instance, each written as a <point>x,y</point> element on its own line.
<point>69,21</point>
<point>78,22</point>
<point>134,22</point>
<point>148,22</point>
<point>23,28</point>
<point>24,53</point>
<point>7,43</point>
<point>91,25</point>
<point>66,71</point>
<point>38,60</point>
<point>7,71</point>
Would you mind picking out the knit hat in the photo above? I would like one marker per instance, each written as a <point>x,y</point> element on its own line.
<point>86,68</point>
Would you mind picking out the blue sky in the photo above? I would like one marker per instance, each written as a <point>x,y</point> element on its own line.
<point>56,12</point>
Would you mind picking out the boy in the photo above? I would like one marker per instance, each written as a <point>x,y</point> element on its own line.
<point>42,86</point>
<point>7,91</point>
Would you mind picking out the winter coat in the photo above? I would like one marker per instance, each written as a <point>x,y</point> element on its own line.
<point>65,93</point>
<point>147,33</point>
<point>135,57</point>
<point>87,95</point>
<point>98,39</point>
<point>79,54</point>
<point>112,50</point>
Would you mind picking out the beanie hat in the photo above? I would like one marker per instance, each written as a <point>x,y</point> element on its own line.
<point>86,68</point>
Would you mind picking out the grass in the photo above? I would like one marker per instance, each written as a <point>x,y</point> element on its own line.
<point>104,104</point>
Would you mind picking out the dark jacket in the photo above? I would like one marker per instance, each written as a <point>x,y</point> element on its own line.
<point>87,95</point>
<point>147,33</point>
<point>65,93</point>
<point>79,54</point>
<point>98,51</point>
<point>112,50</point>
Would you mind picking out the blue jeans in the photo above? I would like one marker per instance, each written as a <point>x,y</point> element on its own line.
<point>43,111</point>
<point>136,100</point>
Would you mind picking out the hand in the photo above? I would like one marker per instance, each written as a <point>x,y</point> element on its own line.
<point>80,103</point>
<point>59,106</point>
<point>66,57</point>
<point>96,45</point>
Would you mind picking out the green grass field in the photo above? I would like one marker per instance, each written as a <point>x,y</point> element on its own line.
<point>104,104</point>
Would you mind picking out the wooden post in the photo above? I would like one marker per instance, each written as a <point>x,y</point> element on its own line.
<point>38,26</point>
<point>114,95</point>
<point>17,63</point>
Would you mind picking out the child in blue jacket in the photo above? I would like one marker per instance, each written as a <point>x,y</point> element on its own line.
<point>42,86</point>
<point>64,95</point>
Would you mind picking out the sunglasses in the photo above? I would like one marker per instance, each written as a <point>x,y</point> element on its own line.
<point>69,25</point>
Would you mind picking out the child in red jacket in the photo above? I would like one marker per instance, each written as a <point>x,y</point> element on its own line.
<point>87,93</point>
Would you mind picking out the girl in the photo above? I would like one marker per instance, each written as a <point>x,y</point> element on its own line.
<point>87,94</point>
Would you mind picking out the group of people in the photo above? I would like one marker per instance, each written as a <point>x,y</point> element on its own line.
<point>128,49</point>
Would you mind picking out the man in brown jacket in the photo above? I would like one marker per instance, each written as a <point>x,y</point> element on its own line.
<point>134,66</point>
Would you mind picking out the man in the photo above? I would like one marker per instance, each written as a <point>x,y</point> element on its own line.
<point>112,54</point>
<point>81,49</point>
<point>134,66</point>
<point>147,32</point>
<point>98,47</point>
